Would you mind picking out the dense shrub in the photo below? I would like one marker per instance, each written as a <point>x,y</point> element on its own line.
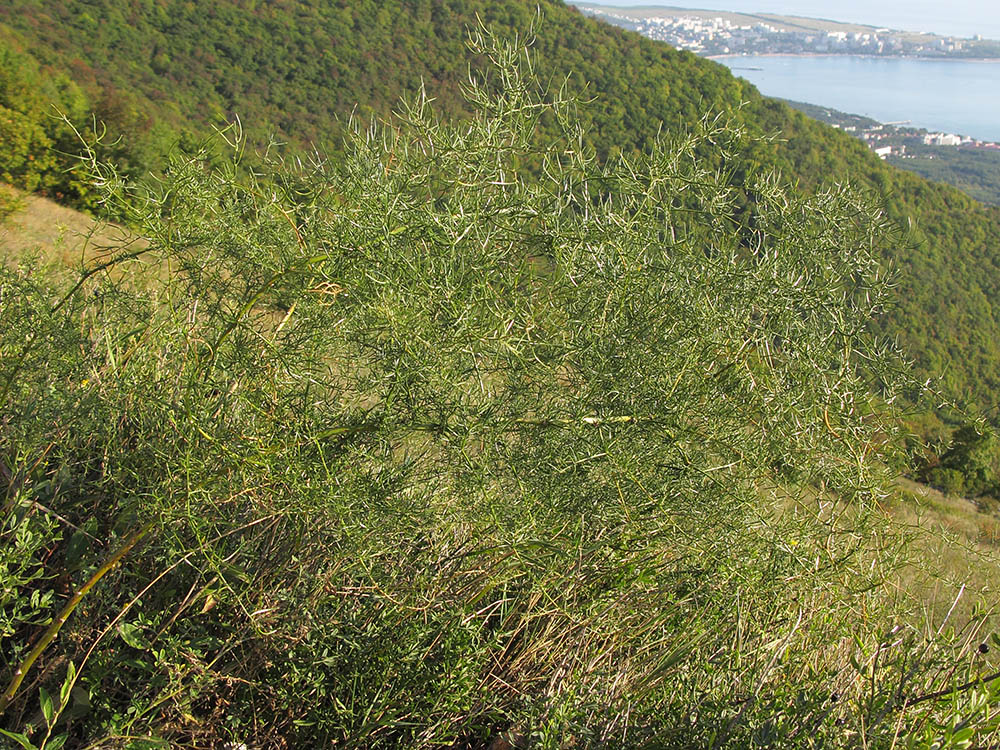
<point>413,451</point>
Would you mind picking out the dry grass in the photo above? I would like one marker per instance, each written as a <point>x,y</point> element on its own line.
<point>955,548</point>
<point>39,226</point>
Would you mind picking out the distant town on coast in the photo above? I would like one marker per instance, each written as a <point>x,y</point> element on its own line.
<point>710,32</point>
<point>890,138</point>
<point>960,148</point>
<point>960,160</point>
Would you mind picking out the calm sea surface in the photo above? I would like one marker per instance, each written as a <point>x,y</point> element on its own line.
<point>953,96</point>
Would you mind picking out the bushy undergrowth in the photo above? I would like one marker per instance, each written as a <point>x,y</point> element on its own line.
<point>409,451</point>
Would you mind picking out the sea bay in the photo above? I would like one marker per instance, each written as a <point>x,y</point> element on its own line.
<point>955,96</point>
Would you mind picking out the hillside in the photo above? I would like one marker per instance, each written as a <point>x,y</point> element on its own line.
<point>423,450</point>
<point>976,172</point>
<point>38,225</point>
<point>481,433</point>
<point>973,170</point>
<point>164,72</point>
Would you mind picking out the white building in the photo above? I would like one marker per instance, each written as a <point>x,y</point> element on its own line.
<point>942,139</point>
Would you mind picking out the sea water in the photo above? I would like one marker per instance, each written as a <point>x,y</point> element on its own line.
<point>953,96</point>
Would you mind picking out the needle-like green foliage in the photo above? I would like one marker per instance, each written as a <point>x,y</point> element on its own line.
<point>465,436</point>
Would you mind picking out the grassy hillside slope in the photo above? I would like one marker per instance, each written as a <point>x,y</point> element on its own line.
<point>467,438</point>
<point>164,70</point>
<point>39,226</point>
<point>338,459</point>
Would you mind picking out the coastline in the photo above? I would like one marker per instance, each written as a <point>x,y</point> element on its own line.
<point>847,54</point>
<point>938,97</point>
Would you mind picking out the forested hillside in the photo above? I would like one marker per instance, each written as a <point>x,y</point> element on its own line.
<point>422,450</point>
<point>163,71</point>
<point>975,171</point>
<point>537,416</point>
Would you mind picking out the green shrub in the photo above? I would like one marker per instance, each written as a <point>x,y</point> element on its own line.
<point>949,481</point>
<point>10,204</point>
<point>975,453</point>
<point>421,452</point>
<point>969,463</point>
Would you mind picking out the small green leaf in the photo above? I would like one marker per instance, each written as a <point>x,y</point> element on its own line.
<point>856,664</point>
<point>67,685</point>
<point>20,739</point>
<point>79,544</point>
<point>147,743</point>
<point>56,742</point>
<point>132,635</point>
<point>47,709</point>
<point>963,737</point>
<point>81,702</point>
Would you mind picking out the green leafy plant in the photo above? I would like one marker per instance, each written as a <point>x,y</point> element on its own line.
<point>424,451</point>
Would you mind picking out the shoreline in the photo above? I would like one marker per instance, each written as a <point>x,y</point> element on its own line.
<point>867,57</point>
<point>930,97</point>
